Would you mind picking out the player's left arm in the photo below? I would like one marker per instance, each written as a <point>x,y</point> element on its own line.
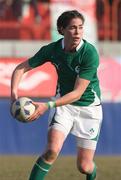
<point>80,87</point>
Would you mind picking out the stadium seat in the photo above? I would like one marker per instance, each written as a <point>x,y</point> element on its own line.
<point>27,28</point>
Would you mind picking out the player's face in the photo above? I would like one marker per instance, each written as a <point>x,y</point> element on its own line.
<point>73,33</point>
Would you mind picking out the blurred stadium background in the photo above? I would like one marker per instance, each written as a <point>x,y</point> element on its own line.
<point>25,26</point>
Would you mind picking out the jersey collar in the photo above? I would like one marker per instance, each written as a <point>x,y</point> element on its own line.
<point>77,48</point>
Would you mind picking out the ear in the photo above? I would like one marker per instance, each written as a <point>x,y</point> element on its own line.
<point>61,30</point>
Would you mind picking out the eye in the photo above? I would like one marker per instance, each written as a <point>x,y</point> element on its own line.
<point>80,27</point>
<point>72,27</point>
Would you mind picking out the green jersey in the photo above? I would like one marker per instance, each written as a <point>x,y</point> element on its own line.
<point>83,63</point>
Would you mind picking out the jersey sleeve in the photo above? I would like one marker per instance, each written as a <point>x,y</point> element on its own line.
<point>89,65</point>
<point>41,57</point>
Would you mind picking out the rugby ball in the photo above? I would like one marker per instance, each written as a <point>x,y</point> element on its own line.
<point>22,109</point>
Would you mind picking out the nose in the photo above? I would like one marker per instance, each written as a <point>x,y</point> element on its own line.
<point>77,31</point>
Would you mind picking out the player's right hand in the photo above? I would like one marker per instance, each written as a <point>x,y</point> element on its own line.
<point>41,108</point>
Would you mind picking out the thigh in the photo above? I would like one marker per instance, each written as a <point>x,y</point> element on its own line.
<point>55,140</point>
<point>85,154</point>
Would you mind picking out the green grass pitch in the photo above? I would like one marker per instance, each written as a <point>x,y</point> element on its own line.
<point>19,167</point>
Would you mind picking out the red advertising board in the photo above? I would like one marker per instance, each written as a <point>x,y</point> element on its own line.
<point>110,79</point>
<point>39,82</point>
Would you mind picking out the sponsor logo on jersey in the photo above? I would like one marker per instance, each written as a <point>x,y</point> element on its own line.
<point>77,69</point>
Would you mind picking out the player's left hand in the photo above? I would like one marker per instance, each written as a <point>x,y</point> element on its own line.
<point>41,108</point>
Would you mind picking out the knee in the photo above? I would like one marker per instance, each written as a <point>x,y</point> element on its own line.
<point>50,155</point>
<point>84,167</point>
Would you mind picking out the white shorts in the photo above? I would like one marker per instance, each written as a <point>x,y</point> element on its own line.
<point>84,122</point>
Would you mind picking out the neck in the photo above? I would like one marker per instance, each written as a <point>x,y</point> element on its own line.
<point>70,49</point>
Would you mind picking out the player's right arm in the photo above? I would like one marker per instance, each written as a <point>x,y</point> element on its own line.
<point>16,78</point>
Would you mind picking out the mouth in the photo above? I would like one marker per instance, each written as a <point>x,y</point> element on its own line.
<point>76,38</point>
